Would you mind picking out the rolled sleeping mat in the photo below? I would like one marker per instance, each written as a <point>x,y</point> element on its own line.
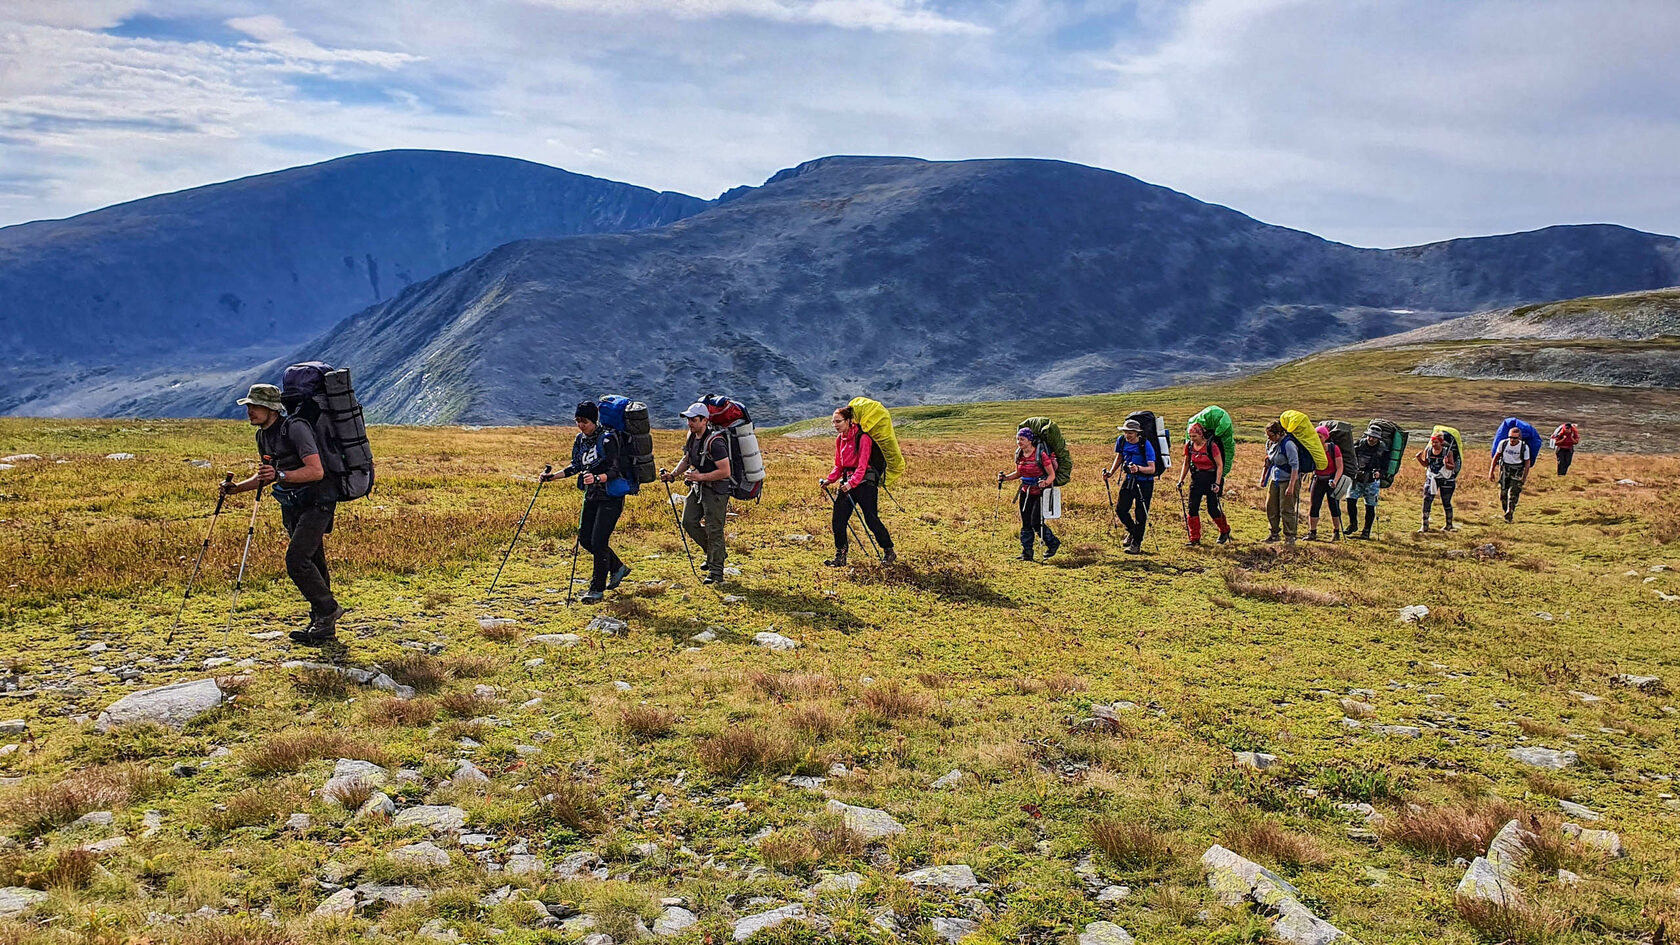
<point>746,442</point>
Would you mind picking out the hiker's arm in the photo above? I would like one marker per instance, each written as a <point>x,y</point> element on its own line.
<point>720,472</point>
<point>243,485</point>
<point>1492,465</point>
<point>1341,466</point>
<point>310,472</point>
<point>1294,481</point>
<point>865,444</point>
<point>676,473</point>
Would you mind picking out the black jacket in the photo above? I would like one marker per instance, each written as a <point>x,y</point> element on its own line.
<point>596,454</point>
<point>1371,460</point>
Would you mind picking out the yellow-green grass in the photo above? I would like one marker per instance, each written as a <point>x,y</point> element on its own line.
<point>958,658</point>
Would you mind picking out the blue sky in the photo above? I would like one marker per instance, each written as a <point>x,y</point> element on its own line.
<point>1375,122</point>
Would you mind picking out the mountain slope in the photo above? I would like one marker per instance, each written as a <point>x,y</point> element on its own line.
<point>923,281</point>
<point>275,259</point>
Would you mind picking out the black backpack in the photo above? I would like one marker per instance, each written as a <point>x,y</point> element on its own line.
<point>321,395</point>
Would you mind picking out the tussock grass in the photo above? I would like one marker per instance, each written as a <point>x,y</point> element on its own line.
<point>786,687</point>
<point>567,801</point>
<point>1267,841</point>
<point>292,750</point>
<point>421,670</point>
<point>743,749</point>
<point>891,700</point>
<point>1132,846</point>
<point>466,705</point>
<point>814,719</point>
<point>1238,583</point>
<point>500,633</point>
<point>473,666</point>
<point>257,805</point>
<point>391,711</point>
<point>646,722</point>
<point>317,683</point>
<point>1448,831</point>
<point>1514,923</point>
<point>38,806</point>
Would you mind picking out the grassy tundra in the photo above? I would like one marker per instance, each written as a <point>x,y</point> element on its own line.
<point>957,659</point>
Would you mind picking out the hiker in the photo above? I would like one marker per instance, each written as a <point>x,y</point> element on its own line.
<point>1135,455</point>
<point>1204,463</point>
<point>1512,459</point>
<point>858,467</point>
<point>291,463</point>
<point>1282,480</point>
<point>1035,468</point>
<point>1370,458</point>
<point>1440,478</point>
<point>595,462</point>
<point>705,467</point>
<point>1324,486</point>
<point>1564,440</point>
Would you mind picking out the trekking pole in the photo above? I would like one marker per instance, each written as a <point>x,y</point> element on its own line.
<point>672,502</point>
<point>1184,509</point>
<point>571,579</point>
<point>239,582</point>
<point>850,525</point>
<point>1153,534</point>
<point>221,498</point>
<point>547,468</point>
<point>1112,512</point>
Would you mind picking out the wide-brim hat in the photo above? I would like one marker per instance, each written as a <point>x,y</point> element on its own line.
<point>1130,426</point>
<point>262,395</point>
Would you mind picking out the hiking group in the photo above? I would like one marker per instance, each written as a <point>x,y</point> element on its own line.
<point>314,454</point>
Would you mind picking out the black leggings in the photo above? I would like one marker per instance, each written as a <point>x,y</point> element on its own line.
<point>307,527</point>
<point>1201,486</point>
<point>1135,496</point>
<point>595,528</point>
<point>1321,489</point>
<point>866,499</point>
<point>1032,521</point>
<point>1565,455</point>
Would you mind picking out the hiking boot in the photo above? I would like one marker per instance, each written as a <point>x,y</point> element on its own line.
<point>1025,555</point>
<point>1336,536</point>
<point>1424,527</point>
<point>1050,548</point>
<point>839,559</point>
<point>889,557</point>
<point>1224,538</point>
<point>617,577</point>
<point>1132,550</point>
<point>1312,535</point>
<point>321,630</point>
<point>1508,515</point>
<point>1366,531</point>
<point>1273,538</point>
<point>712,577</point>
<point>1193,543</point>
<point>592,597</point>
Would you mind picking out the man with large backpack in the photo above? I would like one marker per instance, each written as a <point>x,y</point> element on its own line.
<point>1564,440</point>
<point>1135,455</point>
<point>1513,458</point>
<point>292,465</point>
<point>705,467</point>
<point>1370,460</point>
<point>597,461</point>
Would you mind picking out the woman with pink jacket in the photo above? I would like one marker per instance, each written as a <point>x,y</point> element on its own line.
<point>858,466</point>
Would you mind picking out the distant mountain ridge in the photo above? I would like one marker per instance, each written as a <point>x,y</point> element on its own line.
<point>920,281</point>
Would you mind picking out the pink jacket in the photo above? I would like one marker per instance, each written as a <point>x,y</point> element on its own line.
<point>851,453</point>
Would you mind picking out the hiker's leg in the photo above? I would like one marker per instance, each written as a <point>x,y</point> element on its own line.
<point>842,514</point>
<point>305,558</point>
<point>1446,501</point>
<point>694,511</point>
<point>1564,456</point>
<point>1428,500</point>
<point>716,508</point>
<point>606,562</point>
<point>1291,511</point>
<point>1216,511</point>
<point>1352,512</point>
<point>868,503</point>
<point>1029,524</point>
<point>1146,496</point>
<point>1128,499</point>
<point>1274,506</point>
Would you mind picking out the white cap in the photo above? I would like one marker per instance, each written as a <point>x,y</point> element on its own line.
<point>697,409</point>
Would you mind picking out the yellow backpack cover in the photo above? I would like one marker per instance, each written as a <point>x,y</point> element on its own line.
<point>1299,426</point>
<point>877,422</point>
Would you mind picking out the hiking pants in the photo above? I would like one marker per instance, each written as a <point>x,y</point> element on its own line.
<point>1137,497</point>
<point>1370,492</point>
<point>1511,479</point>
<point>704,512</point>
<point>1565,455</point>
<point>865,499</point>
<point>1446,488</point>
<point>595,528</point>
<point>307,527</point>
<point>1320,491</point>
<point>1283,508</point>
<point>1032,522</point>
<point>1201,487</point>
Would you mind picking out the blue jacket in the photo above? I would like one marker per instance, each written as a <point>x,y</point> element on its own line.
<point>596,454</point>
<point>1141,453</point>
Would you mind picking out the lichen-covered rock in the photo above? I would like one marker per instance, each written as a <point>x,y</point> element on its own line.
<point>1486,883</point>
<point>866,822</point>
<point>955,877</point>
<point>1105,933</point>
<point>436,818</point>
<point>173,705</point>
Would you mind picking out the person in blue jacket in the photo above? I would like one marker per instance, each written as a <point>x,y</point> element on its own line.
<point>1135,455</point>
<point>595,462</point>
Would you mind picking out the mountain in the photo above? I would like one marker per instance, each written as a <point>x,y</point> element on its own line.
<point>918,281</point>
<point>206,277</point>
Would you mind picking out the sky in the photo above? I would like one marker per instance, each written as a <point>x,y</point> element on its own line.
<point>1373,122</point>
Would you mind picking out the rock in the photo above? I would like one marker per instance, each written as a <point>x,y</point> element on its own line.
<point>1234,879</point>
<point>423,854</point>
<point>596,938</point>
<point>953,930</point>
<point>1413,613</point>
<point>1579,811</point>
<point>1484,882</point>
<point>674,920</point>
<point>486,692</point>
<point>467,773</point>
<point>1112,894</point>
<point>1586,697</point>
<point>866,822</point>
<point>1254,759</point>
<point>29,457</point>
<point>341,903</point>
<point>1641,683</point>
<point>534,663</point>
<point>1543,757</point>
<point>173,705</point>
<point>13,727</point>
<point>392,895</point>
<point>1607,842</point>
<point>523,864</point>
<point>1105,933</point>
<point>953,878</point>
<point>438,931</point>
<point>298,823</point>
<point>774,641</point>
<point>1566,878</point>
<point>748,926</point>
<point>707,635</point>
<point>1356,708</point>
<point>491,623</point>
<point>1508,849</point>
<point>104,847</point>
<point>94,820</point>
<point>582,863</point>
<point>798,537</point>
<point>366,771</point>
<point>561,640</point>
<point>947,781</point>
<point>377,803</point>
<point>362,677</point>
<point>620,685</point>
<point>611,626</point>
<point>436,818</point>
<point>836,884</point>
<point>806,782</point>
<point>1399,731</point>
<point>119,456</point>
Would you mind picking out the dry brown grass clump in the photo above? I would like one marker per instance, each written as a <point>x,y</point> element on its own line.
<point>1534,727</point>
<point>814,719</point>
<point>1540,782</point>
<point>1065,684</point>
<point>292,750</point>
<point>473,665</point>
<point>500,633</point>
<point>68,868</point>
<point>319,683</point>
<point>1515,923</point>
<point>1267,841</point>
<point>565,800</point>
<point>801,850</point>
<point>1238,583</point>
<point>1131,846</point>
<point>1449,831</point>
<point>466,705</point>
<point>40,806</point>
<point>394,711</point>
<point>235,930</point>
<point>890,700</point>
<point>786,687</point>
<point>647,722</point>
<point>933,680</point>
<point>258,805</point>
<point>739,749</point>
<point>421,670</point>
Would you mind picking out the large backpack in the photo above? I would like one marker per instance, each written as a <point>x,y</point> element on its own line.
<point>1308,446</point>
<point>322,396</point>
<point>1216,423</point>
<point>746,463</point>
<point>1455,441</point>
<point>1341,434</point>
<point>877,422</point>
<point>1394,439</point>
<point>629,419</point>
<point>1530,436</point>
<point>1050,435</point>
<point>1155,429</point>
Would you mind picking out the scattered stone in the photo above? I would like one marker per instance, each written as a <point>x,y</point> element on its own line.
<point>799,537</point>
<point>1483,882</point>
<point>805,782</point>
<point>866,822</point>
<point>94,820</point>
<point>597,938</point>
<point>377,803</point>
<point>491,623</point>
<point>468,773</point>
<point>1579,810</point>
<point>16,899</point>
<point>367,771</point>
<point>523,864</point>
<point>748,926</point>
<point>707,635</point>
<point>611,626</point>
<point>836,884</point>
<point>953,878</point>
<point>953,930</point>
<point>436,818</point>
<point>29,457</point>
<point>947,781</point>
<point>1236,879</point>
<point>173,705</point>
<point>1105,933</point>
<point>1567,878</point>
<point>341,903</point>
<point>424,853</point>
<point>439,931</point>
<point>361,677</point>
<point>104,847</point>
<point>1254,759</point>
<point>392,895</point>
<point>298,823</point>
<point>1113,894</point>
<point>1607,842</point>
<point>1641,683</point>
<point>1399,731</point>
<point>774,641</point>
<point>582,863</point>
<point>1508,849</point>
<point>119,456</point>
<point>534,663</point>
<point>1413,613</point>
<point>1586,697</point>
<point>674,920</point>
<point>621,686</point>
<point>562,640</point>
<point>1549,758</point>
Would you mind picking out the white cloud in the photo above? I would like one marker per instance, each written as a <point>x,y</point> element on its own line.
<point>882,15</point>
<point>273,34</point>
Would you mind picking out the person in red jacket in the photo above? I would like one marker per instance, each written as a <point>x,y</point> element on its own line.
<point>1564,441</point>
<point>1204,463</point>
<point>858,467</point>
<point>1035,468</point>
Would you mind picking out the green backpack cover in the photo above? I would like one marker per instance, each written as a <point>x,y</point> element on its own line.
<point>1218,424</point>
<point>1051,436</point>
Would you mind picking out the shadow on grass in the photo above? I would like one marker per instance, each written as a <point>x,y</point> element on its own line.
<point>952,579</point>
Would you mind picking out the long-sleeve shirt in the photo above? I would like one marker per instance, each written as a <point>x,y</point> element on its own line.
<point>596,454</point>
<point>851,458</point>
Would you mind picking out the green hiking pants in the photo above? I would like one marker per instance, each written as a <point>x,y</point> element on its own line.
<point>703,517</point>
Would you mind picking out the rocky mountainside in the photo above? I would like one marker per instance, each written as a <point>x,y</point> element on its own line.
<point>232,273</point>
<point>918,281</point>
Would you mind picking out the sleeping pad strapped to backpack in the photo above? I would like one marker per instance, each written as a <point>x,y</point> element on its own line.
<point>1050,435</point>
<point>1530,436</point>
<point>746,463</point>
<point>629,419</point>
<point>1217,423</point>
<point>1297,427</point>
<point>1394,439</point>
<point>322,396</point>
<point>877,423</point>
<point>1155,429</point>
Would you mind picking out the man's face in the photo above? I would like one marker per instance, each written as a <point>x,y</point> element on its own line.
<point>586,427</point>
<point>696,424</point>
<point>258,416</point>
<point>1131,435</point>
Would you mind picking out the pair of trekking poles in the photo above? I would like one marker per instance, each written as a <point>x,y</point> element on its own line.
<point>851,526</point>
<point>204,547</point>
<point>1131,483</point>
